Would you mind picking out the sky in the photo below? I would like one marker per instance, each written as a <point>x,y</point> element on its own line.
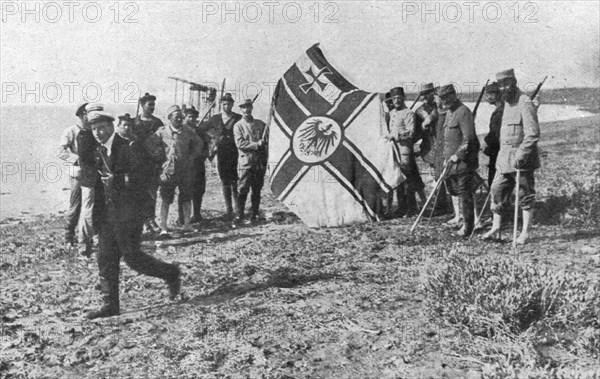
<point>62,52</point>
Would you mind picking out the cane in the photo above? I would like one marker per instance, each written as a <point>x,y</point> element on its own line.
<point>487,199</point>
<point>515,227</point>
<point>431,195</point>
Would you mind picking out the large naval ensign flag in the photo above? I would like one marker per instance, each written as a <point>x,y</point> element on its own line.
<point>332,167</point>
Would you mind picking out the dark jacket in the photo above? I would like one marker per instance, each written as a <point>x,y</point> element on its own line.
<point>87,146</point>
<point>492,139</point>
<point>123,196</point>
<point>460,139</point>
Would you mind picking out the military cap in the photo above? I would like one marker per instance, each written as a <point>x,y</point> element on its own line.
<point>246,103</point>
<point>397,91</point>
<point>427,89</point>
<point>191,110</point>
<point>492,88</point>
<point>98,116</point>
<point>146,98</point>
<point>227,98</point>
<point>172,109</point>
<point>447,90</point>
<point>80,109</point>
<point>505,74</point>
<point>93,107</point>
<point>125,117</point>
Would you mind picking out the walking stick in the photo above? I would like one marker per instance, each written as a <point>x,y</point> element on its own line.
<point>515,227</point>
<point>435,190</point>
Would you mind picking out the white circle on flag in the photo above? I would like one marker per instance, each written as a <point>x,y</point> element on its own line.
<point>316,139</point>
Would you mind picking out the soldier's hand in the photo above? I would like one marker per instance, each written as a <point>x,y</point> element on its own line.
<point>454,158</point>
<point>519,163</point>
<point>536,102</point>
<point>107,179</point>
<point>427,121</point>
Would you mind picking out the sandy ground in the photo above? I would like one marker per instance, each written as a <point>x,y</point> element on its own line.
<point>281,300</point>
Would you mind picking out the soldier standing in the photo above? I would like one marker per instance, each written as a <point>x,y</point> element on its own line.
<point>190,120</point>
<point>425,121</point>
<point>145,125</point>
<point>69,153</point>
<point>402,130</point>
<point>220,129</point>
<point>519,135</point>
<point>252,165</point>
<point>492,139</point>
<point>461,149</point>
<point>179,147</point>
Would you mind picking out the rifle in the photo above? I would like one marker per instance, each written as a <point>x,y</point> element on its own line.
<point>222,90</point>
<point>537,89</point>
<point>415,102</point>
<point>479,99</point>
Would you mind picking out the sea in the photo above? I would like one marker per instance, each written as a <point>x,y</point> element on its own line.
<point>33,181</point>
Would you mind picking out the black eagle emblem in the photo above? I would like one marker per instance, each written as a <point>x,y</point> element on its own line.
<point>318,137</point>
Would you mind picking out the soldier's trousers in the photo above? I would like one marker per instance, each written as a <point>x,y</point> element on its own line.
<point>74,208</point>
<point>462,185</point>
<point>122,239</point>
<point>251,178</point>
<point>503,187</point>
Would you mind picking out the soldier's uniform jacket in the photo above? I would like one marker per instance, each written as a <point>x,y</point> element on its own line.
<point>460,139</point>
<point>492,139</point>
<point>519,135</point>
<point>247,134</point>
<point>180,149</point>
<point>402,127</point>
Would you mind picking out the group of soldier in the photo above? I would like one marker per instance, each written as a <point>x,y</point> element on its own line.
<point>448,142</point>
<point>118,173</point>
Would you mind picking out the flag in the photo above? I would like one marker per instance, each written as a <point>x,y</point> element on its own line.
<point>331,165</point>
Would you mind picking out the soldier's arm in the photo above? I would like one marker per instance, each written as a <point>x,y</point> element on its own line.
<point>241,141</point>
<point>197,146</point>
<point>467,127</point>
<point>531,129</point>
<point>155,148</point>
<point>66,144</point>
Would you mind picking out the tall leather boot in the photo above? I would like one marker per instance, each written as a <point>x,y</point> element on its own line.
<point>197,202</point>
<point>110,298</point>
<point>468,211</point>
<point>402,201</point>
<point>411,203</point>
<point>235,196</point>
<point>241,204</point>
<point>227,197</point>
<point>255,200</point>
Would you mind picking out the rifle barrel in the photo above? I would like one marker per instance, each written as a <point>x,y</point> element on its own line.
<point>480,97</point>
<point>534,94</point>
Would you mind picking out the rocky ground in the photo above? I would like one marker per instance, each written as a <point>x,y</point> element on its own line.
<point>280,300</point>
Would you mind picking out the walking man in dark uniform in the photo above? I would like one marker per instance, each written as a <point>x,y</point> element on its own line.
<point>124,171</point>
<point>220,129</point>
<point>461,149</point>
<point>519,135</point>
<point>145,125</point>
<point>252,144</point>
